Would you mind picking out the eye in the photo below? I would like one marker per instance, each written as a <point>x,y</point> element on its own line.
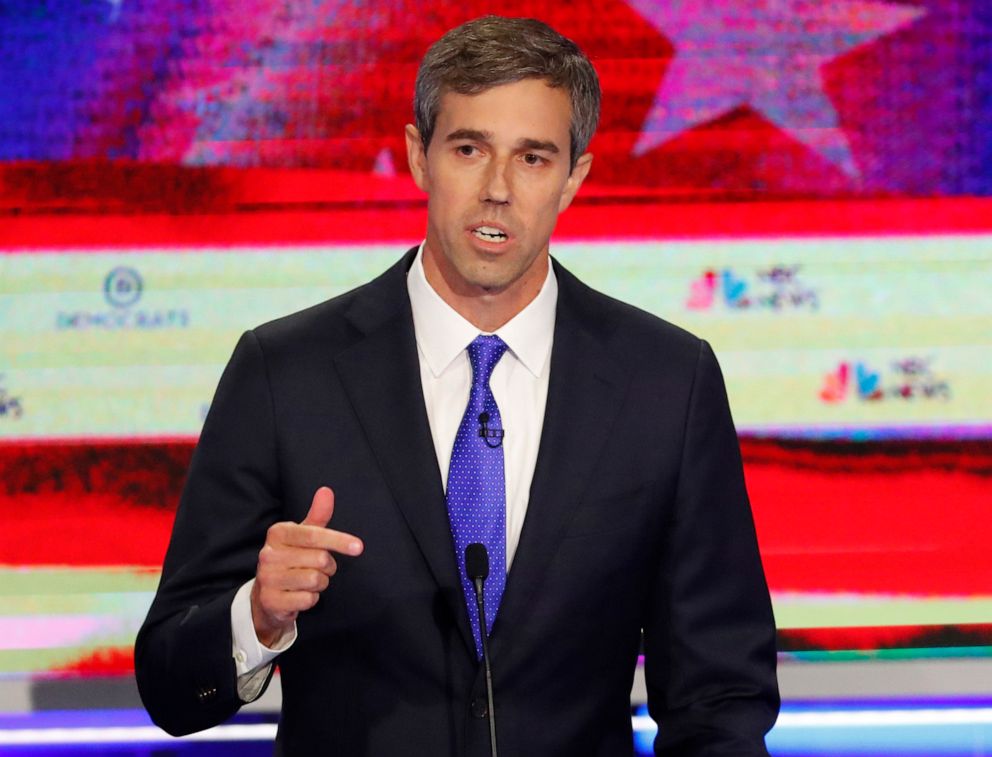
<point>466,150</point>
<point>532,159</point>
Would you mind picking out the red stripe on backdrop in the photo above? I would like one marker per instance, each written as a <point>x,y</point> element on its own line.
<point>81,504</point>
<point>112,661</point>
<point>884,637</point>
<point>892,517</point>
<point>114,205</point>
<point>895,517</point>
<point>404,223</point>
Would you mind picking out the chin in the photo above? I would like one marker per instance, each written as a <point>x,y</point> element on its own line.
<point>490,286</point>
<point>491,281</point>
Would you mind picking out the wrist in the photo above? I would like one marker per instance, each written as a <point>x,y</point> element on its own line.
<point>268,630</point>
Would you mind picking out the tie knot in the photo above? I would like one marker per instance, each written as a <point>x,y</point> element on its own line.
<point>484,352</point>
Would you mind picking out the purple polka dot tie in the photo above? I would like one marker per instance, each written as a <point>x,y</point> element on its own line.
<point>477,486</point>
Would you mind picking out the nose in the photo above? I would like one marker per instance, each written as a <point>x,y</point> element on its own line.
<point>496,184</point>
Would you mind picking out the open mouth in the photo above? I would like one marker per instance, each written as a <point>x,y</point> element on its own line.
<point>489,234</point>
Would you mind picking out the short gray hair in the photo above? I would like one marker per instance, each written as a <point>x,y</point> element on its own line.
<point>495,50</point>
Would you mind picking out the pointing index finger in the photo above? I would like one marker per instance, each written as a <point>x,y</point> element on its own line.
<point>318,537</point>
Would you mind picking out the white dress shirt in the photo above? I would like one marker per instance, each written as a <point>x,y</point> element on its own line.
<point>519,383</point>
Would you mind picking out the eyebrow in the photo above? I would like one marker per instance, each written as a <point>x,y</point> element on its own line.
<point>537,144</point>
<point>474,135</point>
<point>471,134</point>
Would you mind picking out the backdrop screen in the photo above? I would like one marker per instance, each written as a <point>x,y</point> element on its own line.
<point>806,185</point>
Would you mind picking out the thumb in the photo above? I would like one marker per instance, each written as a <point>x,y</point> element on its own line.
<point>321,508</point>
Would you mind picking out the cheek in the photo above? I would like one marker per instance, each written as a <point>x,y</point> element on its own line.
<point>441,211</point>
<point>546,212</point>
<point>549,196</point>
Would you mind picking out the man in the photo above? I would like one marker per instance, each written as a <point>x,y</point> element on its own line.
<point>340,475</point>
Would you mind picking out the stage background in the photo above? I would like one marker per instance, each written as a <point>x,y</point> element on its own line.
<point>806,185</point>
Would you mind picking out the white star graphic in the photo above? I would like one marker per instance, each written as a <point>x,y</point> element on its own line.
<point>115,9</point>
<point>766,54</point>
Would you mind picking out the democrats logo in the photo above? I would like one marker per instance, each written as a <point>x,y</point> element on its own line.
<point>10,406</point>
<point>775,289</point>
<point>123,289</point>
<point>910,379</point>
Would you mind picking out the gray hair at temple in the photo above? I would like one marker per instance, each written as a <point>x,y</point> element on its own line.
<point>494,50</point>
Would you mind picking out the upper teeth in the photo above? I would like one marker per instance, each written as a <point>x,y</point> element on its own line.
<point>489,231</point>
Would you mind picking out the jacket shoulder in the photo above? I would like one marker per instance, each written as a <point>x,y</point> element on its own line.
<point>340,321</point>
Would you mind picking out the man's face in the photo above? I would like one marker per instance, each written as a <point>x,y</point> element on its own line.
<point>497,176</point>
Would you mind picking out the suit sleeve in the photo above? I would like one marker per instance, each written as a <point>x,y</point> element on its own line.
<point>710,636</point>
<point>183,663</point>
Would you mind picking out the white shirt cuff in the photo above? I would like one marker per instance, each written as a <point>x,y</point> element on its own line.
<point>252,658</point>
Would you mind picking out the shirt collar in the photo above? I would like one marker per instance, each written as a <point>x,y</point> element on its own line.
<point>442,334</point>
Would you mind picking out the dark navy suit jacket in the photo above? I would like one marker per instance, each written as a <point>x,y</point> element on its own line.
<point>638,523</point>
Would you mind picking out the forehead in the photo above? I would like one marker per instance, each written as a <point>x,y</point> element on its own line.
<point>529,108</point>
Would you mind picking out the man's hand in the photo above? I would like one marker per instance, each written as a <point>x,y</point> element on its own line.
<point>295,566</point>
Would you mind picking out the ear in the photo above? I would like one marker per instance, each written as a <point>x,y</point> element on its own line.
<point>574,181</point>
<point>416,157</point>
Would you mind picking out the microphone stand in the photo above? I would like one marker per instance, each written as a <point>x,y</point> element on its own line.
<point>477,566</point>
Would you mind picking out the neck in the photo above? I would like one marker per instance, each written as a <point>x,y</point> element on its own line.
<point>486,309</point>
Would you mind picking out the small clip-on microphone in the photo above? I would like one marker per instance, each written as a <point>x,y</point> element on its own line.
<point>493,437</point>
<point>477,569</point>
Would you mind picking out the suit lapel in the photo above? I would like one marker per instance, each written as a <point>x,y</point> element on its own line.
<point>586,387</point>
<point>381,375</point>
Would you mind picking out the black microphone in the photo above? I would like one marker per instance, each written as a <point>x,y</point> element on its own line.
<point>488,434</point>
<point>477,569</point>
